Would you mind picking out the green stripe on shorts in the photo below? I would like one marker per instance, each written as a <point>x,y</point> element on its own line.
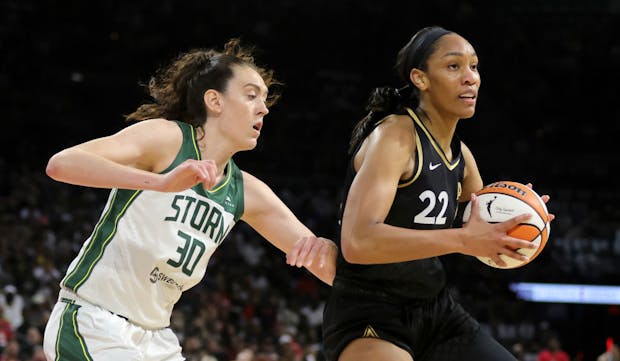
<point>70,345</point>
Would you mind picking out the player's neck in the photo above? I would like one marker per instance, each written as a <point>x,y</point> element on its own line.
<point>442,128</point>
<point>213,147</point>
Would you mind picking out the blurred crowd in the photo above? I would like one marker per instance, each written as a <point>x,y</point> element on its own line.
<point>68,71</point>
<point>251,305</point>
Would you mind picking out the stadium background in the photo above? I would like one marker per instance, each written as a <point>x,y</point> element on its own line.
<point>547,114</point>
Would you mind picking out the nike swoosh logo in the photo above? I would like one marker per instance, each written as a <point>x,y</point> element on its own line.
<point>432,166</point>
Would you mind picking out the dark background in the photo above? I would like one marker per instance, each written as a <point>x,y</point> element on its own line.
<point>547,110</point>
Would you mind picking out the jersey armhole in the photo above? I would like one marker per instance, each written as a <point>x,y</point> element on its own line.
<point>185,151</point>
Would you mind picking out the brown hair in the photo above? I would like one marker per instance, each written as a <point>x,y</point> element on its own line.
<point>178,88</point>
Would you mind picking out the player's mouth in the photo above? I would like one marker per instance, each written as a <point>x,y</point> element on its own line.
<point>258,126</point>
<point>469,98</point>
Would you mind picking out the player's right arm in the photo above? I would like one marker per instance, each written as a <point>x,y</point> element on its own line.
<point>131,159</point>
<point>366,239</point>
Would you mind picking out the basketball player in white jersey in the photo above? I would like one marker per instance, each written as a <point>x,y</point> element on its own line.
<point>175,195</point>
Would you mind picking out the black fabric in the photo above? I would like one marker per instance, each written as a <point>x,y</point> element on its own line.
<point>429,200</point>
<point>436,329</point>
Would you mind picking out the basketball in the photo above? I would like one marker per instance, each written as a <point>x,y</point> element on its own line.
<point>503,200</point>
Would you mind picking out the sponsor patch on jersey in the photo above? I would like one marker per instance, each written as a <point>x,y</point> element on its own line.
<point>157,276</point>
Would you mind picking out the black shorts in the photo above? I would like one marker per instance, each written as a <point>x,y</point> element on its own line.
<point>436,329</point>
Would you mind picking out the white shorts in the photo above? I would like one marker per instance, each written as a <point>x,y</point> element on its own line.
<point>80,331</point>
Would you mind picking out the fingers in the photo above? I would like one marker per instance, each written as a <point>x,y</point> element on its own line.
<point>209,173</point>
<point>291,256</point>
<point>303,252</point>
<point>516,255</point>
<point>212,173</point>
<point>545,198</point>
<point>512,243</point>
<point>327,246</point>
<point>514,221</point>
<point>310,255</point>
<point>205,172</point>
<point>496,259</point>
<point>475,209</point>
<point>200,172</point>
<point>509,251</point>
<point>306,251</point>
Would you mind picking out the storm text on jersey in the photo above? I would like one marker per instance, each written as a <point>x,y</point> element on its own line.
<point>199,214</point>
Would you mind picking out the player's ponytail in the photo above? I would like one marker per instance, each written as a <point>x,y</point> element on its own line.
<point>381,103</point>
<point>388,100</point>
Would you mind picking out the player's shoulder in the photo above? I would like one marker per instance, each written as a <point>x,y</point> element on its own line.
<point>154,133</point>
<point>160,123</point>
<point>465,150</point>
<point>250,180</point>
<point>154,124</point>
<point>157,126</point>
<point>396,126</point>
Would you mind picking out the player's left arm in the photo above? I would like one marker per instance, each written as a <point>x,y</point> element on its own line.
<point>273,220</point>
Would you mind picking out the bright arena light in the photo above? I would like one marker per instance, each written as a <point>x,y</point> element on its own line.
<point>567,293</point>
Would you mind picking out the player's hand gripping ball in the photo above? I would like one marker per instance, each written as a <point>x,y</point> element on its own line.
<point>503,200</point>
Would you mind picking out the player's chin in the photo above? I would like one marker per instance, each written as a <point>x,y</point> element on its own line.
<point>251,144</point>
<point>468,113</point>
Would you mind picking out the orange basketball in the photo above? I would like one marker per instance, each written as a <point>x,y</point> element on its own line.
<point>503,200</point>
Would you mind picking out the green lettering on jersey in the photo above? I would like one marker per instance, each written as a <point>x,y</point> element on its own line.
<point>186,253</point>
<point>215,219</point>
<point>190,201</point>
<point>201,207</point>
<point>176,207</point>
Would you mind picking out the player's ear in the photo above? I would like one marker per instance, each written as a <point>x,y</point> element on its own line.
<point>213,101</point>
<point>418,78</point>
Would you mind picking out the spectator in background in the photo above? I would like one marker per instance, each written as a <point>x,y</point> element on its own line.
<point>10,352</point>
<point>38,354</point>
<point>31,342</point>
<point>553,351</point>
<point>6,331</point>
<point>612,353</point>
<point>13,305</point>
<point>247,354</point>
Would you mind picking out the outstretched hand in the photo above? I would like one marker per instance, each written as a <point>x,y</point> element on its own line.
<point>188,174</point>
<point>315,251</point>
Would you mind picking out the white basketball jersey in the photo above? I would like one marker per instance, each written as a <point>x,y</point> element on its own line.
<point>148,247</point>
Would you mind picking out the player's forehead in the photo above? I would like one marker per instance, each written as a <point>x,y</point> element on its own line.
<point>245,76</point>
<point>453,45</point>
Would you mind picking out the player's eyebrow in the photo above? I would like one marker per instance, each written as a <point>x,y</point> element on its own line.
<point>457,53</point>
<point>257,87</point>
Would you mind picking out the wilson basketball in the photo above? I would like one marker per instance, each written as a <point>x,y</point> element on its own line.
<point>503,200</point>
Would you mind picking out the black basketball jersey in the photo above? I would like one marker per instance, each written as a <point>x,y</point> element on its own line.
<point>428,200</point>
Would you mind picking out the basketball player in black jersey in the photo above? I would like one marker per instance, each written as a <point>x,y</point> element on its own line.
<point>407,175</point>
